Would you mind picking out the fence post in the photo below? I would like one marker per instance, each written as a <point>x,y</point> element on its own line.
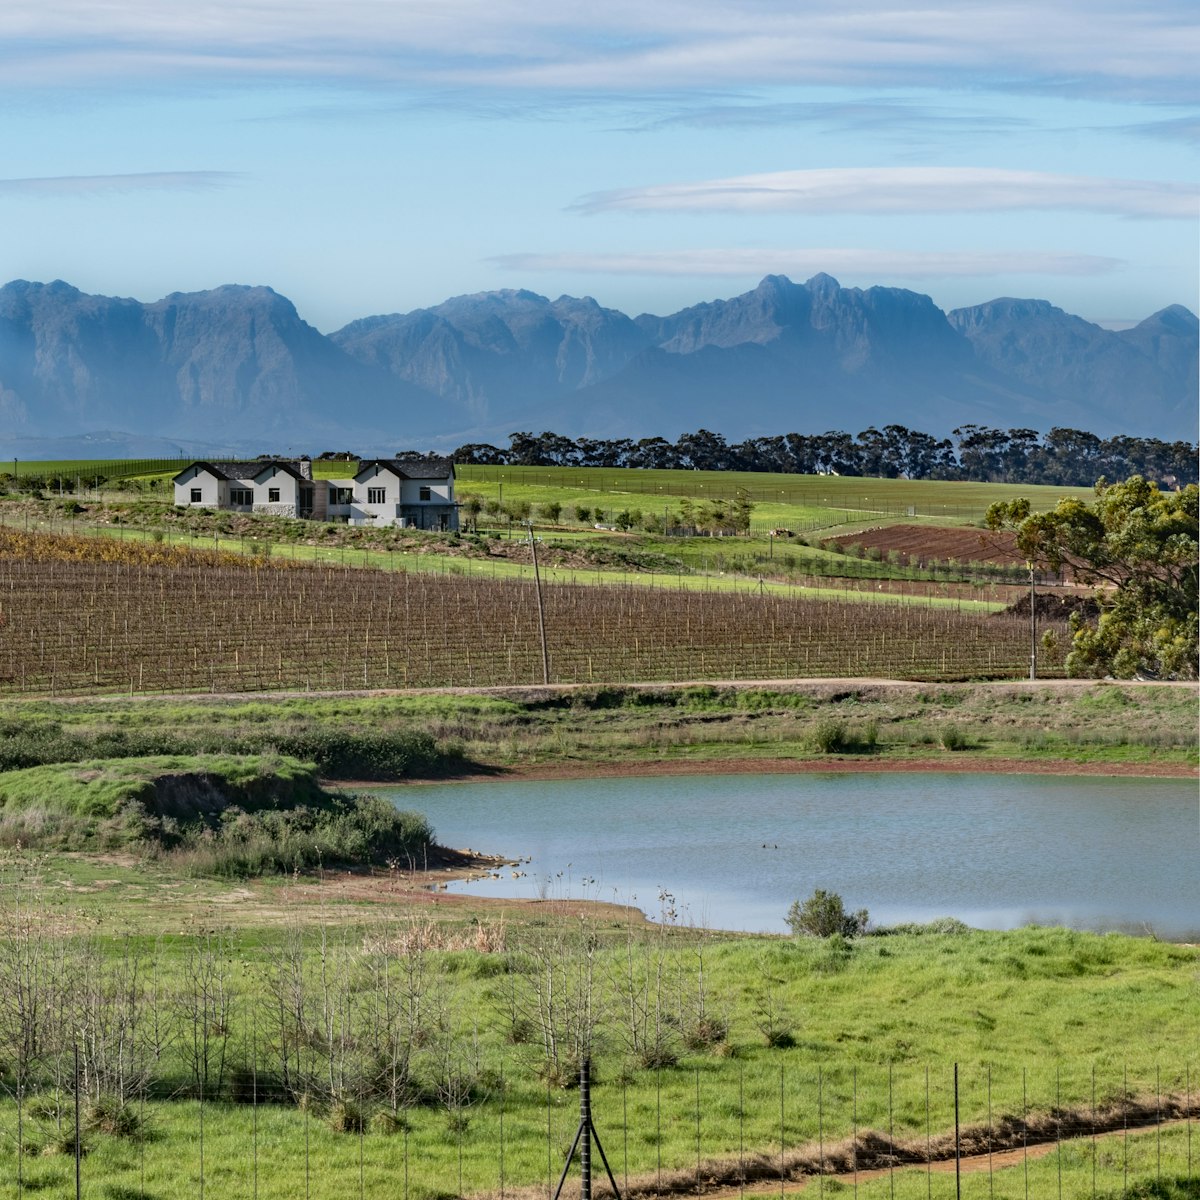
<point>891,1139</point>
<point>957,1141</point>
<point>821,1127</point>
<point>78,1152</point>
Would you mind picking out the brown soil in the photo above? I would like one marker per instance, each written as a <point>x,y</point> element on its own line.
<point>922,543</point>
<point>948,762</point>
<point>422,887</point>
<point>1056,606</point>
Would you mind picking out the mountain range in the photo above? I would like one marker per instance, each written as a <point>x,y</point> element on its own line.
<point>237,366</point>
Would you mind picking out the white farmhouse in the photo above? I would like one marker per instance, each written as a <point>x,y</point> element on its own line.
<point>411,493</point>
<point>408,493</point>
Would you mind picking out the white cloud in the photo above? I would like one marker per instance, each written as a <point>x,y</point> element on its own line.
<point>890,190</point>
<point>1097,46</point>
<point>90,185</point>
<point>893,264</point>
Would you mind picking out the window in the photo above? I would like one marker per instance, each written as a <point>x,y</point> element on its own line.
<point>376,495</point>
<point>425,494</point>
<point>339,495</point>
<point>272,495</point>
<point>241,496</point>
<point>197,496</point>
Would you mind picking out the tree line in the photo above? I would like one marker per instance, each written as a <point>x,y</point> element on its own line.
<point>1063,456</point>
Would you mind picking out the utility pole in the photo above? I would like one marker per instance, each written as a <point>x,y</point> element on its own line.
<point>537,581</point>
<point>1032,625</point>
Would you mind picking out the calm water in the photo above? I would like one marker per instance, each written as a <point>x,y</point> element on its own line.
<point>734,851</point>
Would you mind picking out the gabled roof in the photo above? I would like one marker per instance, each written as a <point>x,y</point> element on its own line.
<point>280,464</point>
<point>201,465</point>
<point>414,468</point>
<point>232,471</point>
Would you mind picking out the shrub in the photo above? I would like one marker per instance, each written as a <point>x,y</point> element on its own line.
<point>939,926</point>
<point>706,1032</point>
<point>823,915</point>
<point>953,738</point>
<point>347,1116</point>
<point>828,737</point>
<point>108,1114</point>
<point>387,1122</point>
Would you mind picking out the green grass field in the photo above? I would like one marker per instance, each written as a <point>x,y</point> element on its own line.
<point>110,468</point>
<point>866,1035</point>
<point>806,501</point>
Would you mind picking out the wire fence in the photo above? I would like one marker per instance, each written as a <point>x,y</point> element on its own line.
<point>1070,1130</point>
<point>83,472</point>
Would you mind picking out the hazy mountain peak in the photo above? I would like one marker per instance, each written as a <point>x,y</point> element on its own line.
<point>1175,318</point>
<point>239,361</point>
<point>820,283</point>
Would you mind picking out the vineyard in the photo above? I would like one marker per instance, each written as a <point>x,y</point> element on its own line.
<point>159,619</point>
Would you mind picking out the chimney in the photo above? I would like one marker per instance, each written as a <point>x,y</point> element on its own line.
<point>304,466</point>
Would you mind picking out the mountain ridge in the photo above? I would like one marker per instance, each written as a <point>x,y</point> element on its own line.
<point>238,363</point>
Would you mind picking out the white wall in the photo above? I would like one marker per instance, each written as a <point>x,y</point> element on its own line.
<point>209,485</point>
<point>289,494</point>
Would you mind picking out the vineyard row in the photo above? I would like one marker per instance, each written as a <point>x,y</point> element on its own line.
<point>78,627</point>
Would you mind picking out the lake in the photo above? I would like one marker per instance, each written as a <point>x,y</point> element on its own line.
<point>996,851</point>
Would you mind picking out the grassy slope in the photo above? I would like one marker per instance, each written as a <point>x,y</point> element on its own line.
<point>100,787</point>
<point>1032,1012</point>
<point>437,735</point>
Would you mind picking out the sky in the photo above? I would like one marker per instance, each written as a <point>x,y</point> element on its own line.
<point>375,156</point>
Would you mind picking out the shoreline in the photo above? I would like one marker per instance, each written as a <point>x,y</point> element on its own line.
<point>652,768</point>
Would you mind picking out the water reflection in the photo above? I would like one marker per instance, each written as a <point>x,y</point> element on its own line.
<point>734,851</point>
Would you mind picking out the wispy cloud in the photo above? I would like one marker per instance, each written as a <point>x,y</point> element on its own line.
<point>93,185</point>
<point>890,190</point>
<point>1173,129</point>
<point>1108,47</point>
<point>875,264</point>
<point>887,116</point>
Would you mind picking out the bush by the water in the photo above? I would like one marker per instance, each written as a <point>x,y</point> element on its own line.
<point>352,831</point>
<point>833,737</point>
<point>824,915</point>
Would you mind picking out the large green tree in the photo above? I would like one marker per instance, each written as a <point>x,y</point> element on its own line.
<point>1139,545</point>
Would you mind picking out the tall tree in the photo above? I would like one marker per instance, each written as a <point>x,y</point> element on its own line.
<point>1140,545</point>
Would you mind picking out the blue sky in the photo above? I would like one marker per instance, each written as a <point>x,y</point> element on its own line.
<point>372,156</point>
